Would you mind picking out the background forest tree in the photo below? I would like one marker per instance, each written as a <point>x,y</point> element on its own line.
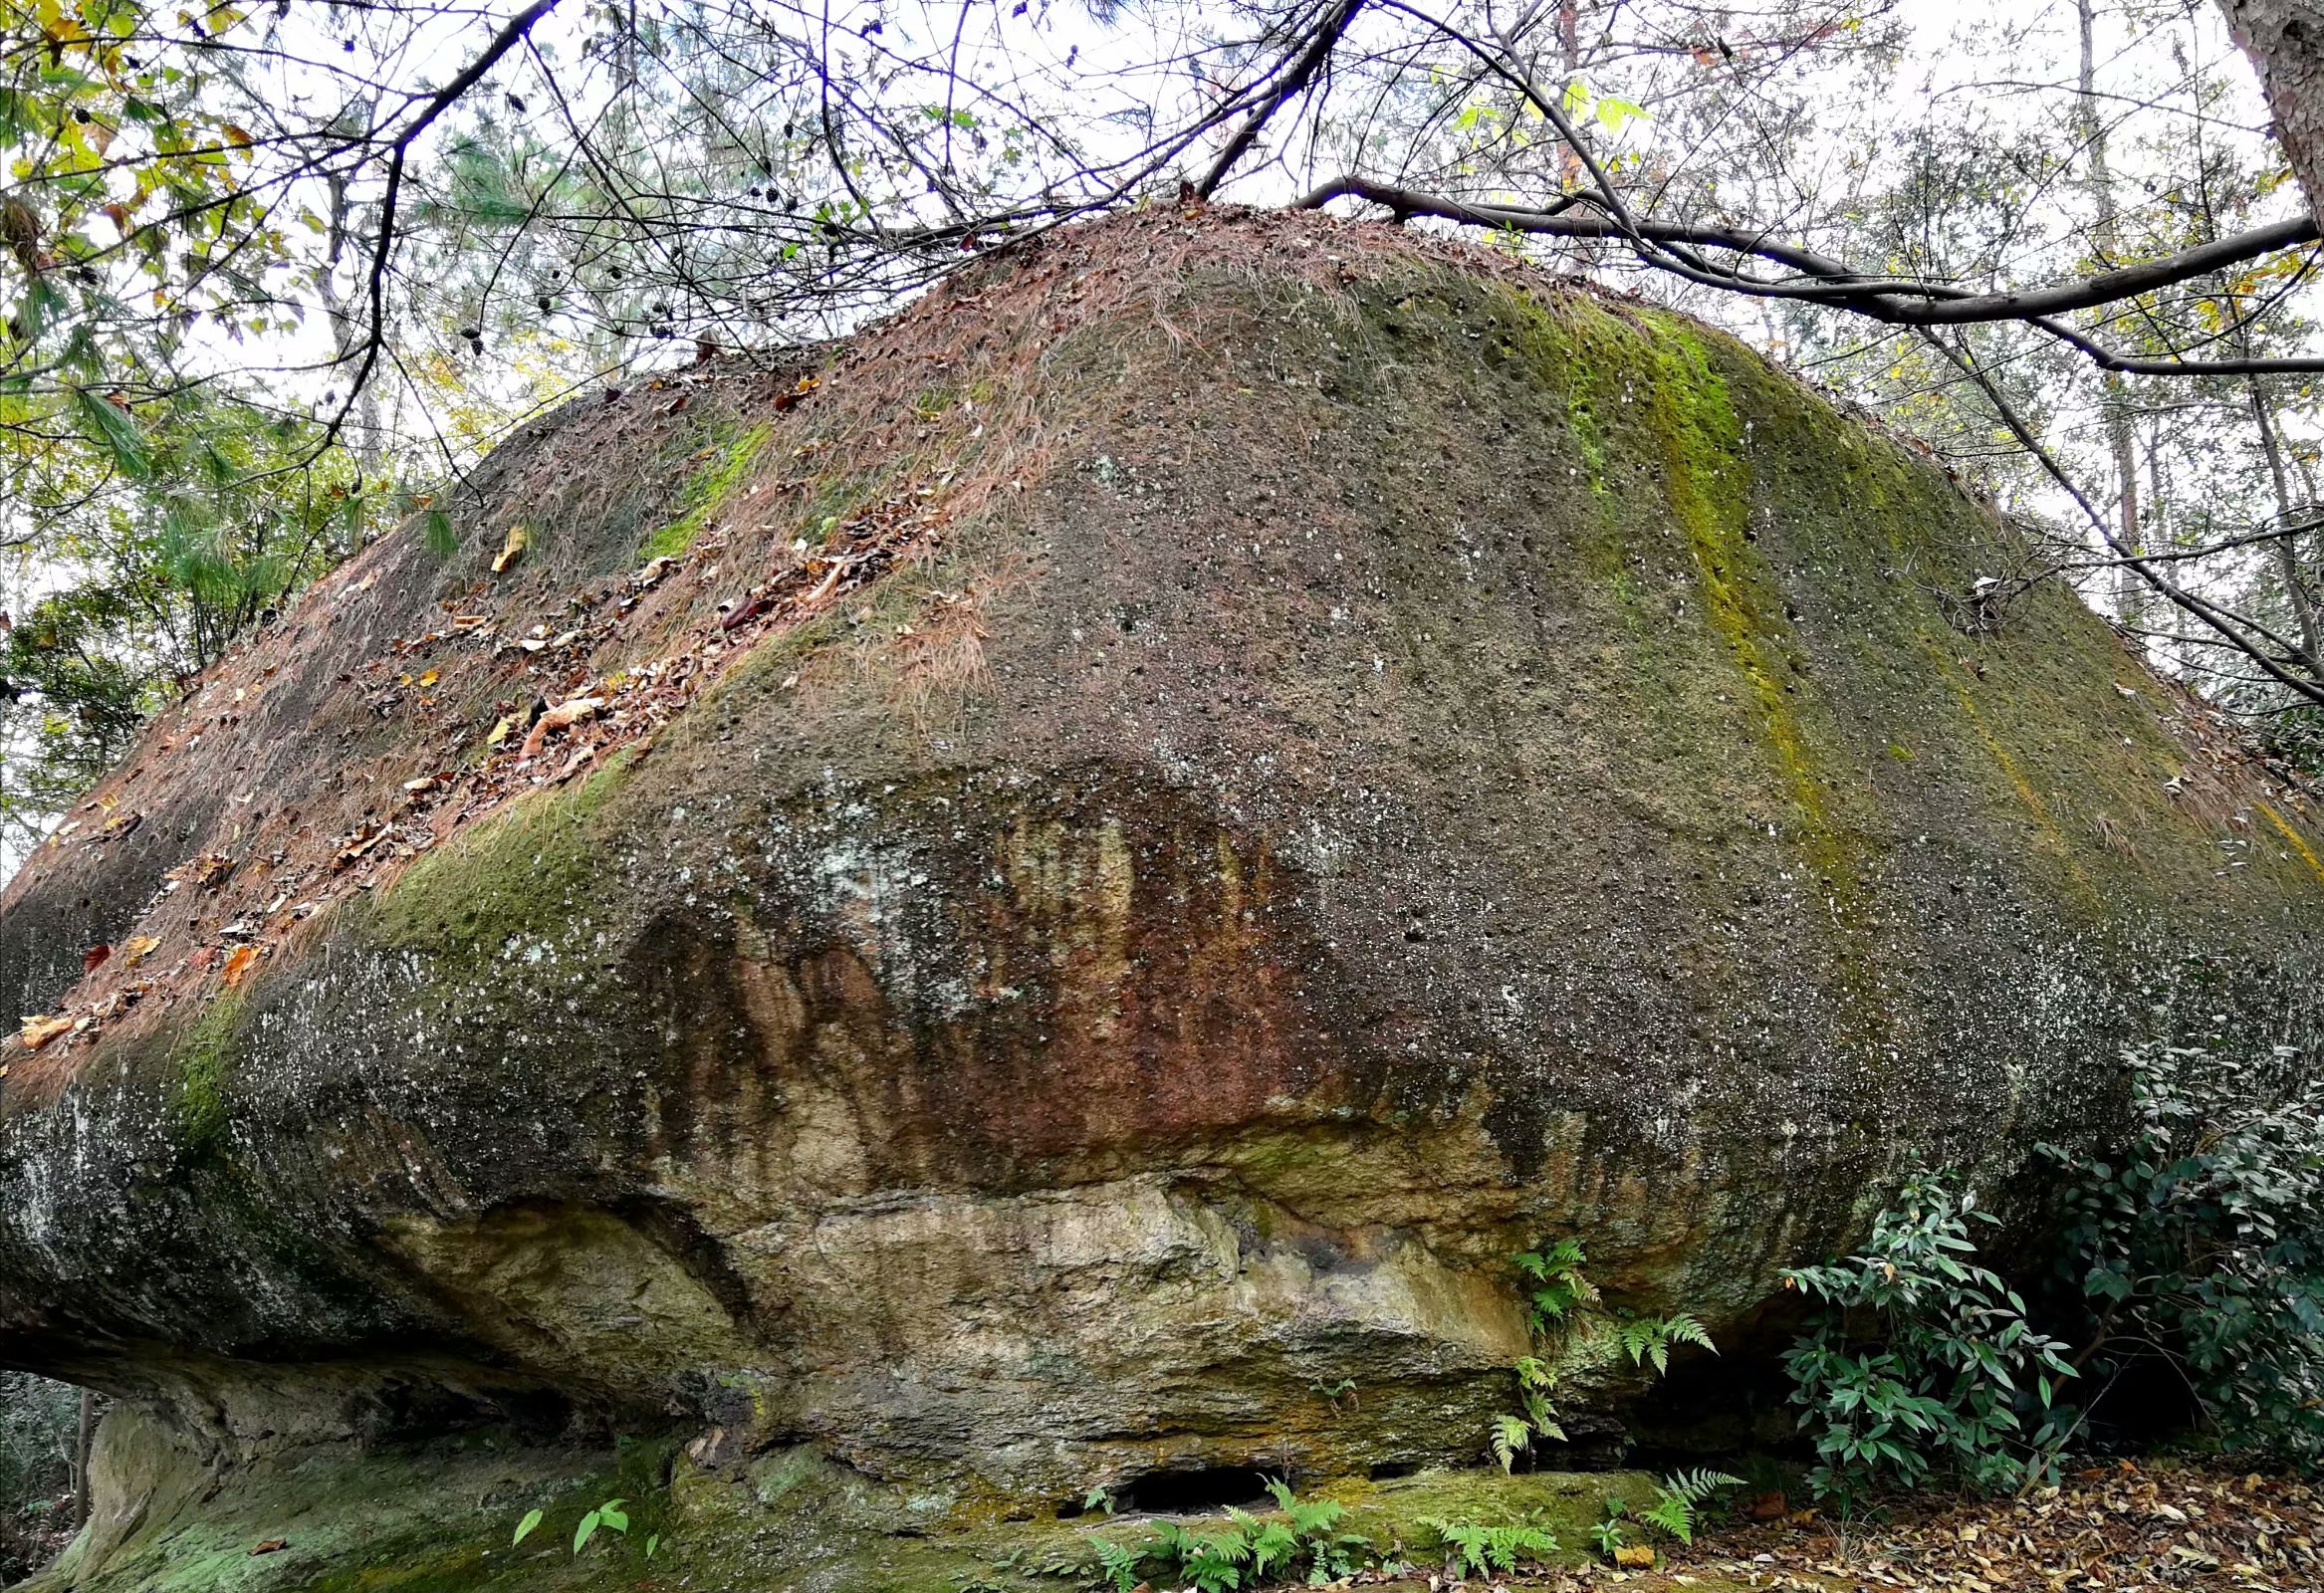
<point>271,279</point>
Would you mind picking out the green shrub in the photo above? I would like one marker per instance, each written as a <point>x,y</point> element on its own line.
<point>1919,1362</point>
<point>2203,1244</point>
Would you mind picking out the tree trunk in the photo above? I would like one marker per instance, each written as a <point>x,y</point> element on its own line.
<point>2129,592</point>
<point>2287,559</point>
<point>2285,41</point>
<point>81,1446</point>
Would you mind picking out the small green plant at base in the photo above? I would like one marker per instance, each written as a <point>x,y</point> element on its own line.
<point>1099,1498</point>
<point>1610,1534</point>
<point>1474,1548</point>
<point>1918,1360</point>
<point>524,1527</point>
<point>1212,1561</point>
<point>1333,1393</point>
<point>2201,1245</point>
<point>1330,1554</point>
<point>1678,1497</point>
<point>609,1516</point>
<point>1561,1305</point>
<point>1119,1563</point>
<point>1244,1551</point>
<point>1556,1284</point>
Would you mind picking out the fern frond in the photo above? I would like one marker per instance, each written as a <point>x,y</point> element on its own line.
<point>1684,1329</point>
<point>1637,1337</point>
<point>1699,1485</point>
<point>1273,1546</point>
<point>1677,1495</point>
<point>1672,1515</point>
<point>1537,1409</point>
<point>1317,1518</point>
<point>1465,1540</point>
<point>1117,1563</point>
<point>1512,1436</point>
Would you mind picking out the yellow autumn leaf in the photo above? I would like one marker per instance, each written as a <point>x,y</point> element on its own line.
<point>138,948</point>
<point>40,1028</point>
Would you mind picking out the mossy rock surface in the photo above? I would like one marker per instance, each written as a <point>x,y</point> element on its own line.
<point>1352,760</point>
<point>441,1517</point>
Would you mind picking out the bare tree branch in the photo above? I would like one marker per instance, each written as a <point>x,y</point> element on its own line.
<point>1320,43</point>
<point>1832,284</point>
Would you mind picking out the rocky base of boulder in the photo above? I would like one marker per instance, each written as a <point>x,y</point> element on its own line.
<point>173,1518</point>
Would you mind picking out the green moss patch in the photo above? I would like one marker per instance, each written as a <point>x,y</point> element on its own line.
<point>523,871</point>
<point>203,1059</point>
<point>723,466</point>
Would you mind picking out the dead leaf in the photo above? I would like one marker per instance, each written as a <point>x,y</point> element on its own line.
<point>571,712</point>
<point>1634,1556</point>
<point>427,680</point>
<point>202,872</point>
<point>272,1546</point>
<point>93,959</point>
<point>238,965</point>
<point>508,724</point>
<point>40,1028</point>
<point>136,948</point>
<point>511,550</point>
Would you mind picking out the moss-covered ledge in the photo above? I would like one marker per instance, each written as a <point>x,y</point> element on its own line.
<point>441,1518</point>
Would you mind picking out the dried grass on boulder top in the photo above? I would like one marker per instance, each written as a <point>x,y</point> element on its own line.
<point>352,736</point>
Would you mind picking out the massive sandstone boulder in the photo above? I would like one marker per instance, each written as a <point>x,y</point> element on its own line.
<point>1138,830</point>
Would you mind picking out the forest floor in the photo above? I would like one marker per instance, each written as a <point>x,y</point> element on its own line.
<point>2118,1527</point>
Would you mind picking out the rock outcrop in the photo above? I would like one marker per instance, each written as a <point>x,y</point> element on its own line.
<point>1019,897</point>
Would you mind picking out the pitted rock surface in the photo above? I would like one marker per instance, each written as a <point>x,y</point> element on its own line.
<point>1173,805</point>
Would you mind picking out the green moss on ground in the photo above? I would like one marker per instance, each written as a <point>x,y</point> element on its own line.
<point>724,465</point>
